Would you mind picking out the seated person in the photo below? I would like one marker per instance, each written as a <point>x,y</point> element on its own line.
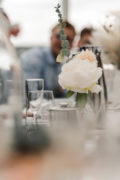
<point>85,36</point>
<point>41,62</point>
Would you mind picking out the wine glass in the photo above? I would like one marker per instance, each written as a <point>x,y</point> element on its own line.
<point>39,104</point>
<point>47,102</point>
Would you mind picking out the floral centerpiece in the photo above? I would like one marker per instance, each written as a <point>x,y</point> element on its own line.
<point>108,35</point>
<point>80,74</point>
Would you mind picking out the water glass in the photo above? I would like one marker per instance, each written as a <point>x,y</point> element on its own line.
<point>33,85</point>
<point>47,102</point>
<point>34,103</point>
<point>39,103</point>
<point>110,72</point>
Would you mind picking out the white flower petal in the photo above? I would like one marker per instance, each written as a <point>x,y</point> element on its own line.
<point>79,75</point>
<point>96,89</point>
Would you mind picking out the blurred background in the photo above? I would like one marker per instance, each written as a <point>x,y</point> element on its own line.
<point>41,12</point>
<point>27,115</point>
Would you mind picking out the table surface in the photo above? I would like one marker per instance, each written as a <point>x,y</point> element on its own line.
<point>30,167</point>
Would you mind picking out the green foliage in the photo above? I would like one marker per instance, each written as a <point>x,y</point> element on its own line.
<point>62,32</point>
<point>69,94</point>
<point>65,52</point>
<point>65,43</point>
<point>81,100</point>
<point>63,37</point>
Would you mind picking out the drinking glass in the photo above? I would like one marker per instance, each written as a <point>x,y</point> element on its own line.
<point>47,103</point>
<point>103,97</point>
<point>110,72</point>
<point>39,102</point>
<point>34,103</point>
<point>32,85</point>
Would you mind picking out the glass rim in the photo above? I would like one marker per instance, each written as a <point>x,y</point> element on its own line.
<point>93,46</point>
<point>61,109</point>
<point>35,91</point>
<point>37,79</point>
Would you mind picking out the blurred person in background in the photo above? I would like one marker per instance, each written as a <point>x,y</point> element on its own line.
<point>41,62</point>
<point>13,29</point>
<point>85,37</point>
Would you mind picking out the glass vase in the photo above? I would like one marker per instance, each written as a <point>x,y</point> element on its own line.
<point>103,97</point>
<point>67,115</point>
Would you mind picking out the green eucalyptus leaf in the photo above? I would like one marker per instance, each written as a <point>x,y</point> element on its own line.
<point>57,10</point>
<point>81,100</point>
<point>60,20</point>
<point>66,43</point>
<point>63,52</point>
<point>69,94</point>
<point>67,53</point>
<point>60,15</point>
<point>63,25</point>
<point>62,31</point>
<point>63,36</point>
<point>58,5</point>
<point>63,45</point>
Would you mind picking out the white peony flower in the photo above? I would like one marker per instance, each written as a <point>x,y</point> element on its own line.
<point>80,75</point>
<point>87,54</point>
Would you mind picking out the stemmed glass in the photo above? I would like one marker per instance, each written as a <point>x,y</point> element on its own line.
<point>39,103</point>
<point>47,102</point>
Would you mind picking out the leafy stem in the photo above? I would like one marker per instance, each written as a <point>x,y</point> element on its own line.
<point>64,42</point>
